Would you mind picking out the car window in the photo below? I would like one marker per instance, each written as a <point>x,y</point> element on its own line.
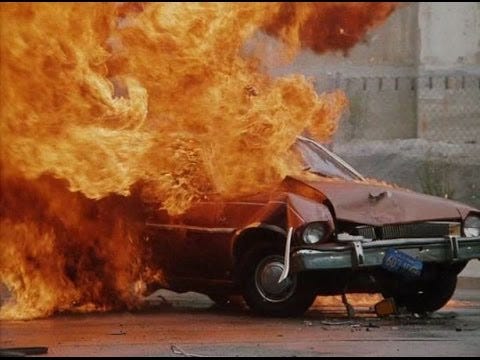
<point>321,161</point>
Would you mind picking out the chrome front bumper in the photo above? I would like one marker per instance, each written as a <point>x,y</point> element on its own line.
<point>357,254</point>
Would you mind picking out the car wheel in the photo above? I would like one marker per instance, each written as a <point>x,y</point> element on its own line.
<point>262,268</point>
<point>429,296</point>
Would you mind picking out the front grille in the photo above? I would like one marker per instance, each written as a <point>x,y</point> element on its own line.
<point>416,230</point>
<point>368,232</point>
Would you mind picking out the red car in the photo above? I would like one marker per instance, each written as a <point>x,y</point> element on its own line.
<point>333,233</point>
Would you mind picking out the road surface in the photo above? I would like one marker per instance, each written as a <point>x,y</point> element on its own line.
<point>191,325</point>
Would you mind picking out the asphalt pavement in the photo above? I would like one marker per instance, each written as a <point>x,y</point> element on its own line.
<point>189,324</point>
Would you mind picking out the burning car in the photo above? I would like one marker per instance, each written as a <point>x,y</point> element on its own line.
<point>329,232</point>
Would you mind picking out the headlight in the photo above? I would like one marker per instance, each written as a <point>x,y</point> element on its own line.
<point>471,226</point>
<point>313,233</point>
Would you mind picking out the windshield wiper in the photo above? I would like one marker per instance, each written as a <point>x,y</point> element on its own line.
<point>317,172</point>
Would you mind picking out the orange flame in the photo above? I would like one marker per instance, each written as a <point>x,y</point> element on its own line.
<point>326,26</point>
<point>104,107</point>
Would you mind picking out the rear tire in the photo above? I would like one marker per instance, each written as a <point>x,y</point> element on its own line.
<point>262,266</point>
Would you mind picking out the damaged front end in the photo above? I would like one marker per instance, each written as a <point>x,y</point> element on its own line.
<point>414,260</point>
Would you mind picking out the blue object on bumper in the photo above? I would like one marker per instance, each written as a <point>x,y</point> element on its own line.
<point>402,263</point>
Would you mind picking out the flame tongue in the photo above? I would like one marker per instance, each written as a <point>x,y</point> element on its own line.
<point>60,250</point>
<point>326,26</point>
<point>153,103</point>
<point>214,102</point>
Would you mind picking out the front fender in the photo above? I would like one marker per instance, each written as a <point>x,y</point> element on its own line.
<point>301,210</point>
<point>273,223</point>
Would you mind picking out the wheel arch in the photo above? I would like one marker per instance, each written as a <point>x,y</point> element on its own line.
<point>255,234</point>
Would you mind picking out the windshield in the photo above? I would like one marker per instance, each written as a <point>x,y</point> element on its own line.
<point>320,160</point>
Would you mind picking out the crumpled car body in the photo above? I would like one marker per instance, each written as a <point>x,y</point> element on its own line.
<point>328,234</point>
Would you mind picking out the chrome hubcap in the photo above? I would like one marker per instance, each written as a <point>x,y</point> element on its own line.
<point>267,274</point>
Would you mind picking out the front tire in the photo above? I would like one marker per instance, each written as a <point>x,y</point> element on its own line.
<point>262,267</point>
<point>427,297</point>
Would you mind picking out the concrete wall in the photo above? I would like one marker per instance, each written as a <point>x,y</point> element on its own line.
<point>379,108</point>
<point>389,50</point>
<point>448,109</point>
<point>417,38</point>
<point>449,36</point>
<point>415,76</point>
<point>448,104</point>
<point>434,45</point>
<point>442,108</point>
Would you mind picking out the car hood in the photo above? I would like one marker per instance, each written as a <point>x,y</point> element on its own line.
<point>377,204</point>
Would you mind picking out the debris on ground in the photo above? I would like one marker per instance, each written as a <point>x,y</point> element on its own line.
<point>23,351</point>
<point>385,307</point>
<point>442,315</point>
<point>355,327</point>
<point>334,323</point>
<point>177,351</point>
<point>350,309</point>
<point>158,301</point>
<point>121,332</point>
<point>463,328</point>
